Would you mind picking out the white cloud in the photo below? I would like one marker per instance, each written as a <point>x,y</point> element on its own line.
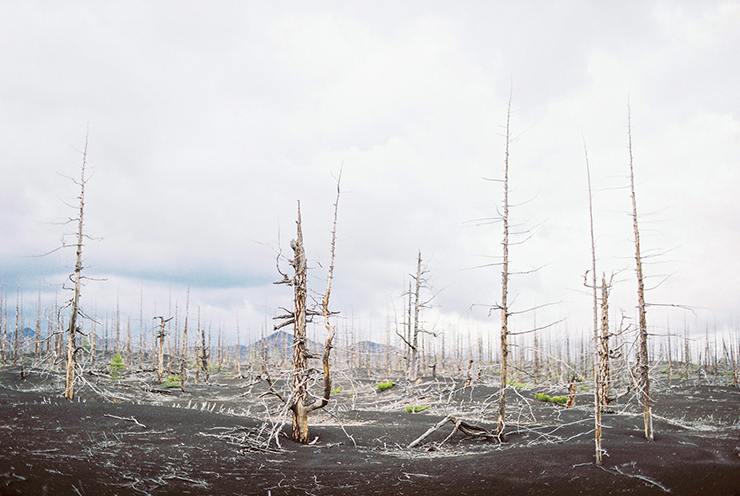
<point>209,122</point>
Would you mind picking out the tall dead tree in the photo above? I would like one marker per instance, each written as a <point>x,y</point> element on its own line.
<point>325,313</point>
<point>300,402</point>
<point>3,324</point>
<point>504,305</point>
<point>598,398</point>
<point>76,278</point>
<point>643,355</point>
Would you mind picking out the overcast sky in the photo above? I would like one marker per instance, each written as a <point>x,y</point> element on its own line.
<point>208,121</point>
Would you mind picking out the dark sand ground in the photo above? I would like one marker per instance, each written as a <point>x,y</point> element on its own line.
<point>144,439</point>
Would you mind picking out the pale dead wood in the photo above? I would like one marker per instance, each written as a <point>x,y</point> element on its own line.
<point>501,424</point>
<point>460,425</point>
<point>644,375</point>
<point>130,419</point>
<point>69,390</point>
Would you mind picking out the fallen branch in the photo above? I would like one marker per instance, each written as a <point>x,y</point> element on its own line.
<point>460,425</point>
<point>646,480</point>
<point>130,419</point>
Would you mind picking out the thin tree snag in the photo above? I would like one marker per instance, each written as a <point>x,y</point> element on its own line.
<point>504,286</point>
<point>598,398</point>
<point>644,366</point>
<point>330,331</point>
<point>184,359</point>
<point>69,390</point>
<point>604,340</point>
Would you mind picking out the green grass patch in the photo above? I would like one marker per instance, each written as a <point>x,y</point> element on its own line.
<point>336,390</point>
<point>416,408</point>
<point>516,384</point>
<point>560,400</point>
<point>172,381</point>
<point>382,386</point>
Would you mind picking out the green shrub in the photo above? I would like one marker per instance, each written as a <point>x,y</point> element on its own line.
<point>560,400</point>
<point>382,386</point>
<point>172,381</point>
<point>416,408</point>
<point>542,397</point>
<point>116,364</point>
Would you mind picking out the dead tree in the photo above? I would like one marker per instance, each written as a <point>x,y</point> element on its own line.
<point>77,280</point>
<point>598,398</point>
<point>17,337</point>
<point>504,306</point>
<point>37,334</point>
<point>238,349</point>
<point>300,402</point>
<point>204,349</point>
<point>184,359</point>
<point>3,324</point>
<point>643,364</point>
<point>161,333</point>
<point>413,327</point>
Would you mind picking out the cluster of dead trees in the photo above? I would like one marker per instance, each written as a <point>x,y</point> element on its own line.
<point>65,342</point>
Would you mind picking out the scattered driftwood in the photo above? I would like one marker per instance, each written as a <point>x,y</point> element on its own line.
<point>461,426</point>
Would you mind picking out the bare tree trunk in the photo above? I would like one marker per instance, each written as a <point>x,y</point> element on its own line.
<point>160,336</point>
<point>3,324</point>
<point>203,349</point>
<point>300,351</point>
<point>117,343</point>
<point>598,388</point>
<point>501,424</point>
<point>644,364</point>
<point>77,277</point>
<point>37,334</point>
<point>18,338</point>
<point>330,330</point>
<point>93,341</point>
<point>128,343</point>
<point>670,354</point>
<point>184,359</point>
<point>604,341</point>
<point>238,349</point>
<point>415,331</point>
<point>142,341</point>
